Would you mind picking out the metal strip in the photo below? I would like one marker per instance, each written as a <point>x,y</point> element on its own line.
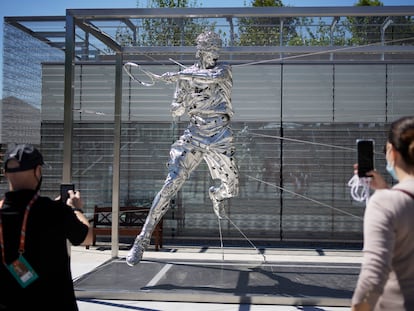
<point>68,100</point>
<point>214,298</point>
<point>117,155</point>
<point>159,275</point>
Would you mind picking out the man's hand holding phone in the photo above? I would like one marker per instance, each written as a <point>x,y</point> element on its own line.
<point>64,192</point>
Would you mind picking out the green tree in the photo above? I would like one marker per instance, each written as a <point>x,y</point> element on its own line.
<point>401,31</point>
<point>265,31</point>
<point>319,32</point>
<point>171,31</point>
<point>365,29</point>
<point>368,29</point>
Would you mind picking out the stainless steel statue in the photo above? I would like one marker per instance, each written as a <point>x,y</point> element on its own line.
<point>203,91</point>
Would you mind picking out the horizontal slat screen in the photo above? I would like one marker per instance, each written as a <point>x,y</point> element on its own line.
<point>295,129</point>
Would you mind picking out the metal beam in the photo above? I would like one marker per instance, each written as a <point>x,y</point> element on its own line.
<point>273,49</point>
<point>117,155</point>
<point>29,31</point>
<point>130,24</point>
<point>68,99</point>
<point>133,28</point>
<point>51,34</point>
<point>20,19</point>
<point>97,14</point>
<point>99,34</point>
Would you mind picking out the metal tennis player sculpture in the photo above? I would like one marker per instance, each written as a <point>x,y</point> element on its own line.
<point>203,91</point>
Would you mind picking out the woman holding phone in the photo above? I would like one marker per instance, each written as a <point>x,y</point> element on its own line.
<point>386,279</point>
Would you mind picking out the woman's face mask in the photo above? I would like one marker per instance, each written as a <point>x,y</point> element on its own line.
<point>390,169</point>
<point>390,164</point>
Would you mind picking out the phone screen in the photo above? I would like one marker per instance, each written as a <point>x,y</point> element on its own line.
<point>365,149</point>
<point>64,188</point>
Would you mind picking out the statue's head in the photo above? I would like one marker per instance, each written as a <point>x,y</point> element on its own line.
<point>208,40</point>
<point>208,45</point>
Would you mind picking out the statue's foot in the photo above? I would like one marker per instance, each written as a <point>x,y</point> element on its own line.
<point>136,252</point>
<point>218,206</point>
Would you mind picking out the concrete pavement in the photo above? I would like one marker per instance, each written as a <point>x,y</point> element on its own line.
<point>86,261</point>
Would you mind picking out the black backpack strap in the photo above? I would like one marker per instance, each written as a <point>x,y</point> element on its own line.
<point>406,192</point>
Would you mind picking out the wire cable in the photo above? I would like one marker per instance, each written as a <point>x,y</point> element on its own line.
<point>360,188</point>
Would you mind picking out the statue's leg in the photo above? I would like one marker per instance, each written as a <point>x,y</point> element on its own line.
<point>182,163</point>
<point>159,207</point>
<point>223,167</point>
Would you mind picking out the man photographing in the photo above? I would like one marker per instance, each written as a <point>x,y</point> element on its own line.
<point>35,271</point>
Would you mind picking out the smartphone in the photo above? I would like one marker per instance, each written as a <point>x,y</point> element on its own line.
<point>365,152</point>
<point>64,188</point>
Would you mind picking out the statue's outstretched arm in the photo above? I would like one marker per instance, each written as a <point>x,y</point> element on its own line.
<point>213,75</point>
<point>193,73</point>
<point>198,75</point>
<point>128,69</point>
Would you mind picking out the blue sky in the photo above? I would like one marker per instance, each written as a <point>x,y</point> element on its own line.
<point>58,7</point>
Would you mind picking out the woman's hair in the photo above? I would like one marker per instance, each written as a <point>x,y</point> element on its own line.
<point>401,136</point>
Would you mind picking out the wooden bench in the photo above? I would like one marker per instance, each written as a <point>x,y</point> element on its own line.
<point>131,221</point>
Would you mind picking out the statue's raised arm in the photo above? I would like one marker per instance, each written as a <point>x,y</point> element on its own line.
<point>206,70</point>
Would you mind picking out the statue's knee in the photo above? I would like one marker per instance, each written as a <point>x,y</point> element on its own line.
<point>168,190</point>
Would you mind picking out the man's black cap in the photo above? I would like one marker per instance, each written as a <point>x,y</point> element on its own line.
<point>27,156</point>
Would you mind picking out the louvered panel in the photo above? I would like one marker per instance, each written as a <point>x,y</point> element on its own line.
<point>94,98</point>
<point>317,172</point>
<point>148,103</point>
<point>360,93</point>
<point>255,95</point>
<point>52,92</point>
<point>293,174</point>
<point>400,90</point>
<point>307,93</point>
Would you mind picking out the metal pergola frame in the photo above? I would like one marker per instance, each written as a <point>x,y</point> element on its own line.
<point>85,18</point>
<point>81,19</point>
